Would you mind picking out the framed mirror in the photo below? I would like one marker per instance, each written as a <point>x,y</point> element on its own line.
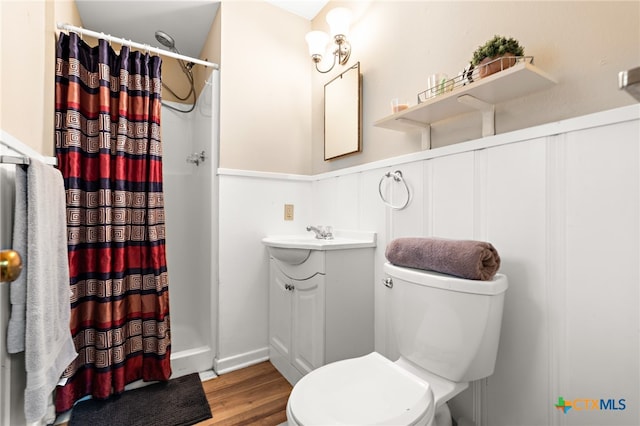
<point>342,114</point>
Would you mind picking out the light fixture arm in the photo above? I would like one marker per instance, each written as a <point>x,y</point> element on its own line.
<point>338,20</point>
<point>340,54</point>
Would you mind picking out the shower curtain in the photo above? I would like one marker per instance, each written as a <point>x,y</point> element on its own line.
<point>107,136</point>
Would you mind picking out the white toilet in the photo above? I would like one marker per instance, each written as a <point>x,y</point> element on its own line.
<point>446,331</point>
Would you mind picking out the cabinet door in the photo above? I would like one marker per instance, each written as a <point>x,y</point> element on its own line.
<point>280,312</point>
<point>308,324</point>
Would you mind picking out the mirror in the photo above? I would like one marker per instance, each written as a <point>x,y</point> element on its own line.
<point>342,114</point>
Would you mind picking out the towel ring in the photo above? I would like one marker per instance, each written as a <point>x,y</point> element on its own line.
<point>397,177</point>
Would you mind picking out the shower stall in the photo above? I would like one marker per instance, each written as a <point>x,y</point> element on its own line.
<point>190,160</point>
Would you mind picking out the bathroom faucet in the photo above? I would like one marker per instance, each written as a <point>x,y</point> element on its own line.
<point>322,232</point>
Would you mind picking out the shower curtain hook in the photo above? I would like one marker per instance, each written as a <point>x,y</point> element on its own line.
<point>79,34</point>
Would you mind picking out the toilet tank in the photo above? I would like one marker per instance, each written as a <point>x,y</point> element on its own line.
<point>446,325</point>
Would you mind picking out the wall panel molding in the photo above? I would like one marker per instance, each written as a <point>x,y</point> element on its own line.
<point>555,282</point>
<point>480,182</point>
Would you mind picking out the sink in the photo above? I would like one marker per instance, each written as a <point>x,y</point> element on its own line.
<point>292,256</point>
<point>295,249</point>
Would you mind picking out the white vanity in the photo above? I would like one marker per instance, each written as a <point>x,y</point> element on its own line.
<point>320,300</point>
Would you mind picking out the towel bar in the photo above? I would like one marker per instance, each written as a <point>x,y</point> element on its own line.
<point>397,177</point>
<point>11,159</point>
<point>25,160</point>
<point>10,265</point>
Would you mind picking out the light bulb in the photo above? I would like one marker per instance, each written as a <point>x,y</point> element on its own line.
<point>317,41</point>
<point>339,20</point>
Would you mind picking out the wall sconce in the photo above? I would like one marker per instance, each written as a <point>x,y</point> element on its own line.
<point>338,20</point>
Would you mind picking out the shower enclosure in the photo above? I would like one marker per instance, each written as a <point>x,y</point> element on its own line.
<point>190,160</point>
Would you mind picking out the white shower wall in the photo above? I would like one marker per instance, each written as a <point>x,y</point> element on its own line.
<point>191,226</point>
<point>561,203</point>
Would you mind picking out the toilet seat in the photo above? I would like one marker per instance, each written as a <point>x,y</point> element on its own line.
<point>370,390</point>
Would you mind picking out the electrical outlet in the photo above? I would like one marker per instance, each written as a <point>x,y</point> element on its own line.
<point>288,212</point>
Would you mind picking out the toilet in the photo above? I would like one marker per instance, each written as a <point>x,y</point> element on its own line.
<point>446,331</point>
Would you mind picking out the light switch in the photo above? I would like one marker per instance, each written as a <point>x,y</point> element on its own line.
<point>288,212</point>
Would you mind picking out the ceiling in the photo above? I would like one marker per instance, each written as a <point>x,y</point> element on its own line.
<point>187,21</point>
<point>306,8</point>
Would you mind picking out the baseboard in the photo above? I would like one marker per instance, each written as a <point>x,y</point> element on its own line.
<point>284,366</point>
<point>236,362</point>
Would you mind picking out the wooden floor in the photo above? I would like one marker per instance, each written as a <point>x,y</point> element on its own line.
<point>255,395</point>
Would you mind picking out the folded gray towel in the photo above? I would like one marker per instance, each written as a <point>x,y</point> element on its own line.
<point>473,260</point>
<point>41,307</point>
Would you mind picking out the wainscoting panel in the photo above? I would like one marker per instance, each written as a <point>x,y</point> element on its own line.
<point>409,221</point>
<point>602,264</point>
<point>561,203</point>
<point>336,201</point>
<point>250,209</point>
<point>373,216</point>
<point>515,221</point>
<point>450,214</point>
<point>450,207</point>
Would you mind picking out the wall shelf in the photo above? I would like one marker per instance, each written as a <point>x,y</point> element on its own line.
<point>520,80</point>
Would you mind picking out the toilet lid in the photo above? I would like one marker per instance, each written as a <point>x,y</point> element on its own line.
<point>370,390</point>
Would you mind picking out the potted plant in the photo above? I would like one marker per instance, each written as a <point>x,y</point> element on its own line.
<point>496,54</point>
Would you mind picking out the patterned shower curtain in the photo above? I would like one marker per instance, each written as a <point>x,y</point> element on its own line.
<point>107,119</point>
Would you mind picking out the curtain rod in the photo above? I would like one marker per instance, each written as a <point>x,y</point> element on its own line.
<point>133,44</point>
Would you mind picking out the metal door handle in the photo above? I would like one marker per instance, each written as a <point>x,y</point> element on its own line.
<point>10,265</point>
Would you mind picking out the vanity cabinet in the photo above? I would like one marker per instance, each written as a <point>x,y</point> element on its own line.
<point>320,310</point>
<point>297,319</point>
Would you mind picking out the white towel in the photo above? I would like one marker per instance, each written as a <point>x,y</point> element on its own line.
<point>48,344</point>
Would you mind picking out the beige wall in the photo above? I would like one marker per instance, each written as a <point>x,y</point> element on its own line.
<point>265,113</point>
<point>271,99</point>
<point>210,52</point>
<point>27,63</point>
<point>582,44</point>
